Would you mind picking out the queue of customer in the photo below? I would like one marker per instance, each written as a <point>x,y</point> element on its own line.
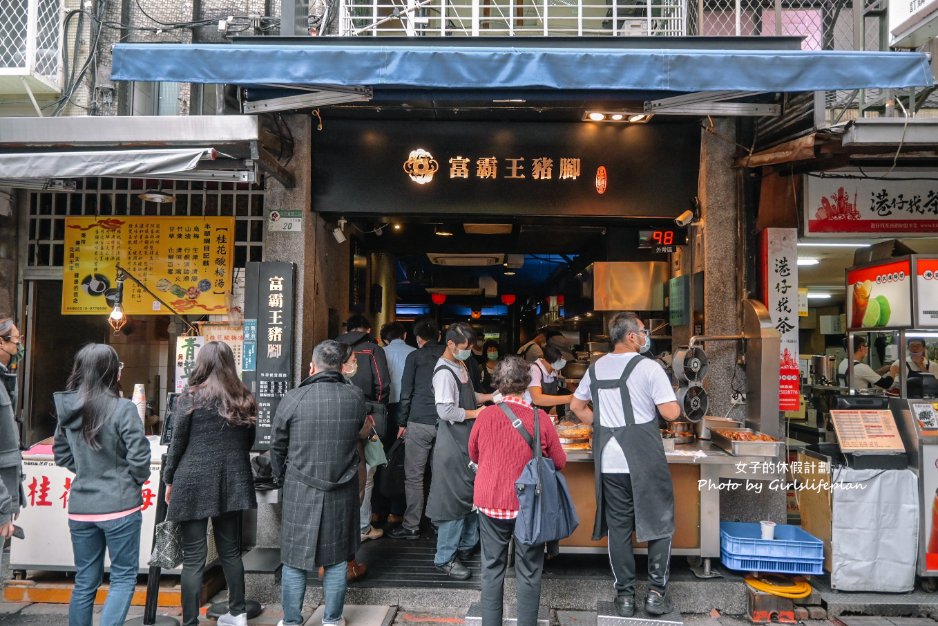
<point>428,396</point>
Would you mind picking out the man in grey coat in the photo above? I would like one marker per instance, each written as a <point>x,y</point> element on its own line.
<point>313,456</point>
<point>11,463</point>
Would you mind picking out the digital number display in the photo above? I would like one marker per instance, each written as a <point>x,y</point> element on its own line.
<point>661,237</point>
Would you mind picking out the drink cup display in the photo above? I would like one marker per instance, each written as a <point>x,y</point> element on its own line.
<point>861,300</point>
<point>140,400</point>
<point>768,529</point>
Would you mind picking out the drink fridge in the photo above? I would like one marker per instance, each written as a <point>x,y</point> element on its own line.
<point>918,425</point>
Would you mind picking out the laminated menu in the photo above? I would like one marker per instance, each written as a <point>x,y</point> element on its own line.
<point>867,431</point>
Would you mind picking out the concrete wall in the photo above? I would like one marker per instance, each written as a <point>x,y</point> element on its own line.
<point>8,252</point>
<point>322,263</point>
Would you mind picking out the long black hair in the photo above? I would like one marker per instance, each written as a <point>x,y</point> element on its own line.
<point>214,381</point>
<point>94,377</point>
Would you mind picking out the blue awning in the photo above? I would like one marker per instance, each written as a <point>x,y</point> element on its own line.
<point>518,67</point>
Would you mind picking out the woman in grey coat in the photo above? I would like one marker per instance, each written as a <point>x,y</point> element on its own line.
<point>208,475</point>
<point>314,455</point>
<point>100,438</point>
<point>11,461</point>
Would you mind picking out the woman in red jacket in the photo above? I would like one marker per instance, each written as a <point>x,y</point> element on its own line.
<point>501,453</point>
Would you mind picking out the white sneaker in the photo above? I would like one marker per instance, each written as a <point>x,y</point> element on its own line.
<point>341,622</point>
<point>233,620</point>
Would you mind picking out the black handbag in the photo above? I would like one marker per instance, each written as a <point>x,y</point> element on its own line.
<point>545,508</point>
<point>391,477</point>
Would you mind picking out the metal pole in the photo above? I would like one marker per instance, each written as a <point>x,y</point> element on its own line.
<point>153,574</point>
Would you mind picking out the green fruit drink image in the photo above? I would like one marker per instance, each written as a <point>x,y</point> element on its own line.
<point>871,317</point>
<point>884,311</point>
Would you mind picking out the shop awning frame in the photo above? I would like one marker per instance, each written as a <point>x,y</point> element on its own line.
<point>332,63</point>
<point>207,148</point>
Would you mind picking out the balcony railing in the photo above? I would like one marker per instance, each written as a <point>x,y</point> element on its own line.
<point>823,24</point>
<point>30,46</point>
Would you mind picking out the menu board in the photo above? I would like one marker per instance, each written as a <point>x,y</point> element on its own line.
<point>880,296</point>
<point>867,431</point>
<point>926,292</point>
<point>185,260</point>
<point>231,335</point>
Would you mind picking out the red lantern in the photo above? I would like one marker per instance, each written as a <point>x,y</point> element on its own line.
<point>476,314</point>
<point>438,298</point>
<point>508,299</point>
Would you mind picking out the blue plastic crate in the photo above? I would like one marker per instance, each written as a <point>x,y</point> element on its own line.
<point>770,566</point>
<point>743,540</point>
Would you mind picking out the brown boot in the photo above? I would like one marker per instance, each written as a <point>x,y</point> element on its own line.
<point>356,571</point>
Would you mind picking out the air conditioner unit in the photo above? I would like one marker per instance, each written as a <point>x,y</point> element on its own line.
<point>636,27</point>
<point>465,260</point>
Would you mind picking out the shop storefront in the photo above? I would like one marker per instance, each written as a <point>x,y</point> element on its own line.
<point>458,134</point>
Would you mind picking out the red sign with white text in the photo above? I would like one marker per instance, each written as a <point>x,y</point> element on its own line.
<point>880,296</point>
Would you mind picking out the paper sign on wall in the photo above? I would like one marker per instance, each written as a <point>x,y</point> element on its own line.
<point>926,293</point>
<point>187,261</point>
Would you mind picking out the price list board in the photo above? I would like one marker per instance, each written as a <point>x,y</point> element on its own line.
<point>186,260</point>
<point>867,431</point>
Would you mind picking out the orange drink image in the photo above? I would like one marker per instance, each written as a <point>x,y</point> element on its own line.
<point>861,299</point>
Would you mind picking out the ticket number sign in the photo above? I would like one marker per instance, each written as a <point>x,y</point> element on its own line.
<point>187,261</point>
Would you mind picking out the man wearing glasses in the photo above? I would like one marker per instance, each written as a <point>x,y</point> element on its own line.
<point>11,460</point>
<point>633,482</point>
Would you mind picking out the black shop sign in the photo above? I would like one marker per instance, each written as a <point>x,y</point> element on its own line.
<point>267,364</point>
<point>486,168</point>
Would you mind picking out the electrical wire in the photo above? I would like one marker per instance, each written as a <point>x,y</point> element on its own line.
<point>793,590</point>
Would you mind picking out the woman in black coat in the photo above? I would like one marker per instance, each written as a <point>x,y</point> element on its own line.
<point>208,475</point>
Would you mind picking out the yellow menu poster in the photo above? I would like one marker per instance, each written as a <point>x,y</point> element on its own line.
<point>187,261</point>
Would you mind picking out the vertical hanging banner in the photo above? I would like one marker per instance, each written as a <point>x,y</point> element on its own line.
<point>780,273</point>
<point>186,260</point>
<point>267,358</point>
<point>186,349</point>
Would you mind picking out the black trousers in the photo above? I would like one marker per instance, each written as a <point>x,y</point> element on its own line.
<point>194,551</point>
<point>529,565</point>
<point>619,509</point>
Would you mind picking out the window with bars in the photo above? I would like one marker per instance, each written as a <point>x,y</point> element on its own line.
<point>45,246</point>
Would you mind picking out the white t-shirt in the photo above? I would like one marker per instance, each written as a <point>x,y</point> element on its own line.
<point>538,378</point>
<point>446,391</point>
<point>863,375</point>
<point>648,386</point>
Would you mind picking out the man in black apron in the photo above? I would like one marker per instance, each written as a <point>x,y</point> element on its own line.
<point>633,482</point>
<point>449,504</point>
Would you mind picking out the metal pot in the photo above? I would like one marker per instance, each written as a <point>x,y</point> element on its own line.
<point>574,369</point>
<point>823,367</point>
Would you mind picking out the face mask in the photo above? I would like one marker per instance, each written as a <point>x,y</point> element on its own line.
<point>462,355</point>
<point>351,373</point>
<point>916,355</point>
<point>645,347</point>
<point>558,365</point>
<point>493,356</point>
<point>20,353</point>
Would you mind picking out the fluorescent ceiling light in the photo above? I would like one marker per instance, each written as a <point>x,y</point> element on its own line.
<point>805,261</point>
<point>921,335</point>
<point>818,296</point>
<point>839,244</point>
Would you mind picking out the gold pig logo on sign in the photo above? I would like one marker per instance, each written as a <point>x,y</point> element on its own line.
<point>421,166</point>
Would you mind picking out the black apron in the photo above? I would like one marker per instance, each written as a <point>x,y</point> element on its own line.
<point>652,489</point>
<point>452,483</point>
<point>549,388</point>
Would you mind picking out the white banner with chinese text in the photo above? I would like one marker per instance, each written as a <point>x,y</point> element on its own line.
<point>780,262</point>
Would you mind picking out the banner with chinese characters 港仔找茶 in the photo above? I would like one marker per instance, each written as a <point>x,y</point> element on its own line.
<point>187,261</point>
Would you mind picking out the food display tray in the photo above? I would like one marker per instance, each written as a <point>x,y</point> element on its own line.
<point>747,448</point>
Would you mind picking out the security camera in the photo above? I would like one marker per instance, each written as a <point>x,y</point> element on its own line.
<point>339,235</point>
<point>684,218</point>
